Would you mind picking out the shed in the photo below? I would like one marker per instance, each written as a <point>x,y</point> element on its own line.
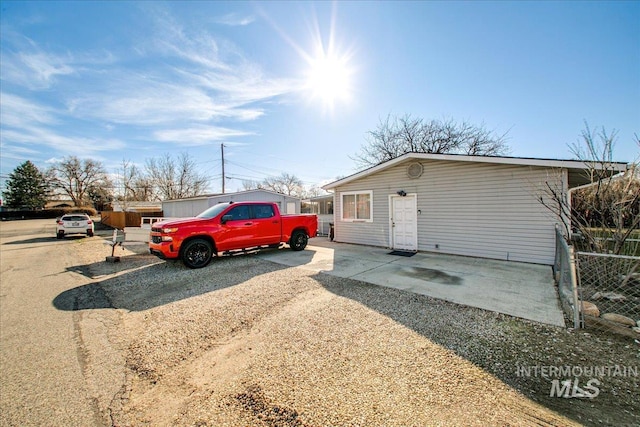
<point>192,206</point>
<point>480,206</point>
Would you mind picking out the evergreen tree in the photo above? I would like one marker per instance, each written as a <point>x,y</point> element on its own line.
<point>26,188</point>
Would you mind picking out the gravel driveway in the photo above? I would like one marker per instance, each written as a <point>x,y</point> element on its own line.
<point>249,342</point>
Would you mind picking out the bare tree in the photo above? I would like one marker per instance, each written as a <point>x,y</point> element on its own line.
<point>286,183</point>
<point>143,189</point>
<point>250,184</point>
<point>127,174</point>
<point>100,195</point>
<point>135,185</point>
<point>396,136</point>
<point>606,213</point>
<point>314,191</point>
<point>175,179</point>
<point>75,178</point>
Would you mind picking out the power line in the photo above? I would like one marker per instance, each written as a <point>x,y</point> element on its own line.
<point>264,174</point>
<point>255,168</point>
<point>245,177</point>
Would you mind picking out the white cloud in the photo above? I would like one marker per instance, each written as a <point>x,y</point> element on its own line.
<point>44,67</point>
<point>54,160</point>
<point>199,80</point>
<point>140,101</point>
<point>26,64</point>
<point>198,135</point>
<point>17,111</point>
<point>246,85</point>
<point>235,19</point>
<point>10,152</point>
<point>187,87</point>
<point>21,151</point>
<point>27,125</point>
<point>68,145</point>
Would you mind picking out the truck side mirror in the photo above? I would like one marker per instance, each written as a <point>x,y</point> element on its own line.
<point>226,218</point>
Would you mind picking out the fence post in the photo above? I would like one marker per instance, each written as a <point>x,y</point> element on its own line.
<point>577,312</point>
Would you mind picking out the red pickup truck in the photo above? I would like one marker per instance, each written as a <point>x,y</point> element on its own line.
<point>228,227</point>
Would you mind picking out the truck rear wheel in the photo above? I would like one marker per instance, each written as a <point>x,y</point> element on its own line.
<point>197,253</point>
<point>298,240</point>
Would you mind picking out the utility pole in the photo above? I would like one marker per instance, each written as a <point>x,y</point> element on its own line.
<point>222,157</point>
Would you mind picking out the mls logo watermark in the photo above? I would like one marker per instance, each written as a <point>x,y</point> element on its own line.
<point>572,389</point>
<point>576,381</point>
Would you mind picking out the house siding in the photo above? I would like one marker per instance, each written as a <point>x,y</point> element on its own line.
<point>184,208</point>
<point>473,209</point>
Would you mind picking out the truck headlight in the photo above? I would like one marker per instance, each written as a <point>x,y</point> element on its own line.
<point>170,230</point>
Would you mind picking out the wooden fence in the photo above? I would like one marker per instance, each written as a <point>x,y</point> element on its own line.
<point>121,220</point>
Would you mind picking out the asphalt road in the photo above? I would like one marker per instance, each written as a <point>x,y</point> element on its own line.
<point>41,357</point>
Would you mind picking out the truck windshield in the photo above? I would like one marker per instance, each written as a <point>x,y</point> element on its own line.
<point>213,211</point>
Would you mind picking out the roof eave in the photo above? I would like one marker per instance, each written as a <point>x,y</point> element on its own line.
<point>550,163</point>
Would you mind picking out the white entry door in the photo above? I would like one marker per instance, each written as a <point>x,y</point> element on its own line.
<point>404,223</point>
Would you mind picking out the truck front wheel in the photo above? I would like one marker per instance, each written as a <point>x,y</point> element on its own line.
<point>197,253</point>
<point>298,240</point>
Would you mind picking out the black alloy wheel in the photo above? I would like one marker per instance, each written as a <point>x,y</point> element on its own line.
<point>197,253</point>
<point>299,240</point>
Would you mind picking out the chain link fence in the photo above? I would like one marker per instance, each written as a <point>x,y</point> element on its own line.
<point>564,269</point>
<point>599,291</point>
<point>610,286</point>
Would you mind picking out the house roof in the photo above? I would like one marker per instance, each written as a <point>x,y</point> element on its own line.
<point>576,168</point>
<point>324,197</point>
<point>138,204</point>
<point>208,196</point>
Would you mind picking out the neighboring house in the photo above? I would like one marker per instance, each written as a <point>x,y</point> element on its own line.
<point>455,204</point>
<point>322,206</point>
<point>192,206</point>
<point>140,207</point>
<point>53,204</point>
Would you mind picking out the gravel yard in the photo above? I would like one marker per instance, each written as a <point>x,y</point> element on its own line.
<point>249,342</point>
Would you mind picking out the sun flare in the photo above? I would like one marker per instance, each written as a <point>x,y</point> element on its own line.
<point>329,79</point>
<point>327,75</point>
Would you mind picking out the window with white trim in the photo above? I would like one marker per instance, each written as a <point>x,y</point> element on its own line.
<point>357,206</point>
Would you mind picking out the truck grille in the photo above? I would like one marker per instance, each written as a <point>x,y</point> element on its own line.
<point>156,239</point>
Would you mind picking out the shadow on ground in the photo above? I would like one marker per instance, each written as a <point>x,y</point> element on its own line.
<point>37,240</point>
<point>500,344</point>
<point>497,343</point>
<point>143,282</point>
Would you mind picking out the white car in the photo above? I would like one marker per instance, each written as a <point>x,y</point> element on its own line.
<point>77,223</point>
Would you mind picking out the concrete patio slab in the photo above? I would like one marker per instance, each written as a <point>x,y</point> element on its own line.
<point>518,289</point>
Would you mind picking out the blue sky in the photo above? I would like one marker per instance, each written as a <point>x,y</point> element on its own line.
<point>118,81</point>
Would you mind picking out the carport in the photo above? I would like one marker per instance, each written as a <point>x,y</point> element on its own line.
<point>517,289</point>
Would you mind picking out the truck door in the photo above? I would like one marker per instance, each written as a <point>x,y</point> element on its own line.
<point>269,227</point>
<point>240,231</point>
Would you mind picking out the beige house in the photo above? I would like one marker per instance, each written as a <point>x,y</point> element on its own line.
<point>476,206</point>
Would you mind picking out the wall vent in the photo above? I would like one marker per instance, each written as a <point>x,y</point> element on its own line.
<point>414,170</point>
